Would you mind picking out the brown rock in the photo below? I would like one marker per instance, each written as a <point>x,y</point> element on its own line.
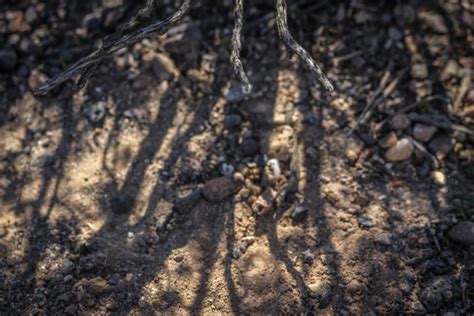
<point>401,151</point>
<point>264,204</point>
<point>219,189</point>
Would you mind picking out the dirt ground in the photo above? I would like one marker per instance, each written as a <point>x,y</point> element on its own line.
<point>140,194</point>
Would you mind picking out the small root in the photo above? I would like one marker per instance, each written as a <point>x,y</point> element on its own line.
<point>237,45</point>
<point>294,47</point>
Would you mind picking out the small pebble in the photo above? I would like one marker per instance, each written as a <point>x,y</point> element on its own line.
<point>441,146</point>
<point>232,121</point>
<point>235,94</point>
<point>225,169</point>
<point>462,233</point>
<point>68,278</point>
<point>401,151</point>
<point>366,221</point>
<point>300,213</point>
<point>439,177</point>
<point>96,112</point>
<point>423,132</point>
<point>400,122</point>
<point>383,239</point>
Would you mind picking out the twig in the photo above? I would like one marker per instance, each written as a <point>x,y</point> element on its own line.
<point>463,89</point>
<point>293,46</point>
<point>440,121</point>
<point>111,45</point>
<point>425,152</point>
<point>384,90</point>
<point>337,60</point>
<point>417,104</point>
<point>237,45</point>
<point>371,102</point>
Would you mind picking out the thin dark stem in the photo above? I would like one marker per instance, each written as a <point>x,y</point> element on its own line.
<point>111,45</point>
<point>293,46</point>
<point>237,46</point>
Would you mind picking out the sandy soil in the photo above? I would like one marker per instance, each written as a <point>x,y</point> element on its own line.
<point>103,203</point>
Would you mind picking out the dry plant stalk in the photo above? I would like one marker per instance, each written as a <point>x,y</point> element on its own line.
<point>134,31</point>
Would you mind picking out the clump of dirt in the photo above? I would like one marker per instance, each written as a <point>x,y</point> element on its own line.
<point>162,187</point>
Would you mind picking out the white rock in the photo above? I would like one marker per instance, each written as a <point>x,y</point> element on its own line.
<point>439,177</point>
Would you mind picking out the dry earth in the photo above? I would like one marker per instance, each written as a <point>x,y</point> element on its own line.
<point>108,197</point>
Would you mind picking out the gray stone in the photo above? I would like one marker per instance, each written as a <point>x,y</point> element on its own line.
<point>232,121</point>
<point>225,169</point>
<point>395,34</point>
<point>400,122</point>
<point>423,132</point>
<point>383,239</point>
<point>366,221</point>
<point>462,233</point>
<point>440,146</point>
<point>300,213</point>
<point>96,112</point>
<point>68,278</point>
<point>47,160</point>
<point>235,94</point>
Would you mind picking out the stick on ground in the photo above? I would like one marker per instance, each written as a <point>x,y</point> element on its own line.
<point>111,45</point>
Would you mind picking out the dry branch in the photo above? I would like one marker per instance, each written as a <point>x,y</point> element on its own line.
<point>111,45</point>
<point>293,46</point>
<point>134,31</point>
<point>237,45</point>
